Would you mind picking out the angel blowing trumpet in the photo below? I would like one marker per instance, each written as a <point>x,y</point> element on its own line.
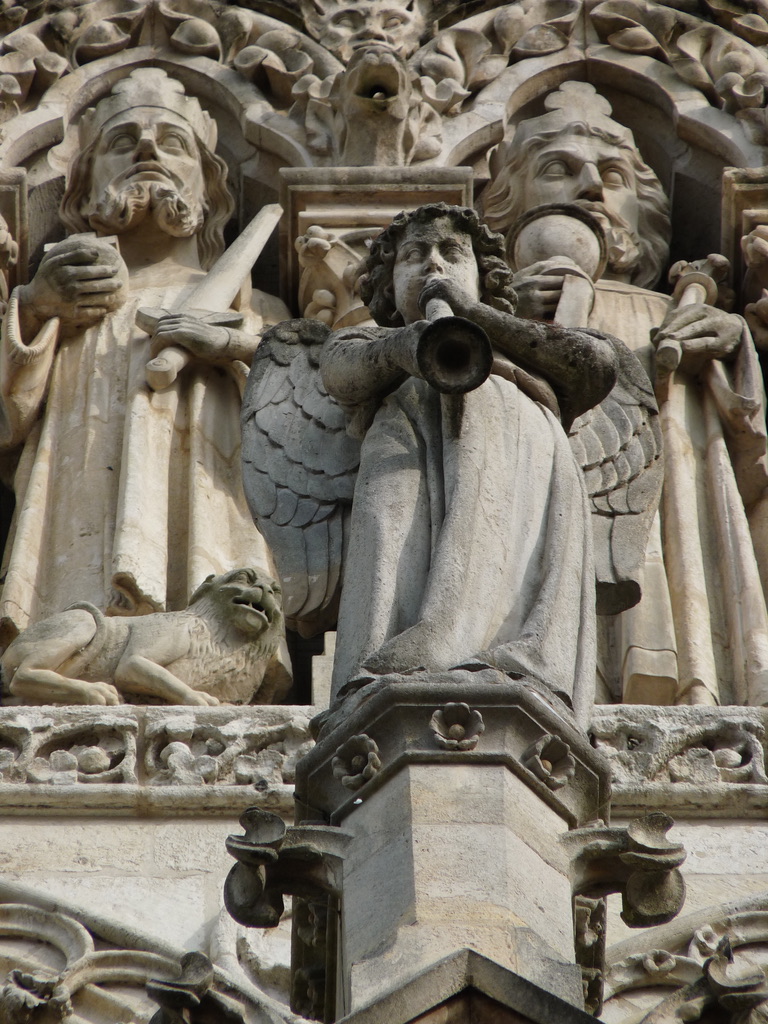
<point>460,523</point>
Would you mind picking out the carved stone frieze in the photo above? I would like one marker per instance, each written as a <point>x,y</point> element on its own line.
<point>678,758</point>
<point>725,65</point>
<point>177,758</point>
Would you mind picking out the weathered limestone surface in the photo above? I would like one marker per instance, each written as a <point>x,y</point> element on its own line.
<point>476,823</point>
<point>700,632</point>
<point>164,505</point>
<point>223,648</point>
<point>150,761</point>
<point>498,576</point>
<point>706,768</point>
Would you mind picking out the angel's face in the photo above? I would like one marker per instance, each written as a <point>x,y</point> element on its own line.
<point>436,250</point>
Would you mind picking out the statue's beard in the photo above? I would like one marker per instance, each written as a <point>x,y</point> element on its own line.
<point>622,242</point>
<point>125,206</point>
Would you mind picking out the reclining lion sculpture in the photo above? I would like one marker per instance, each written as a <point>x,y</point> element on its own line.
<point>221,648</point>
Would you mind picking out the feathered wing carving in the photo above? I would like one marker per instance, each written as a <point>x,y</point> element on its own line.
<point>618,445</point>
<point>299,470</point>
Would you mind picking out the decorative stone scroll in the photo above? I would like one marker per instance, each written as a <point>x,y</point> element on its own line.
<point>89,760</point>
<point>713,961</point>
<point>664,758</point>
<point>55,966</point>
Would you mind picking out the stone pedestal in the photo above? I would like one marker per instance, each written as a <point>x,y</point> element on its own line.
<point>455,791</point>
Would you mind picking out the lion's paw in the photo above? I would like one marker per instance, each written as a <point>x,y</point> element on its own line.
<point>103,693</point>
<point>198,699</point>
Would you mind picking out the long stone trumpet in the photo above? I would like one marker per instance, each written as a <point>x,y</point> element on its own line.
<point>454,355</point>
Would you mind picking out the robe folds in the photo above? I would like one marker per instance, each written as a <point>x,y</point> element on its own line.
<point>700,632</point>
<point>470,539</point>
<point>125,498</point>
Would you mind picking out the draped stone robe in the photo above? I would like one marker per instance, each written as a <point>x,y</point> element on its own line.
<point>470,539</point>
<point>700,632</point>
<point>125,498</point>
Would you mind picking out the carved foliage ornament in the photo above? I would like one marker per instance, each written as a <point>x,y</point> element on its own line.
<point>675,749</point>
<point>33,990</point>
<point>356,761</point>
<point>457,727</point>
<point>730,72</point>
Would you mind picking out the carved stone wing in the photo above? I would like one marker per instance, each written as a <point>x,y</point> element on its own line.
<point>618,446</point>
<point>299,470</point>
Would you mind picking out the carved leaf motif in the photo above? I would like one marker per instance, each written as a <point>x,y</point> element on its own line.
<point>751,27</point>
<point>509,26</point>
<point>198,38</point>
<point>540,40</point>
<point>100,40</point>
<point>692,72</point>
<point>753,122</point>
<point>637,40</point>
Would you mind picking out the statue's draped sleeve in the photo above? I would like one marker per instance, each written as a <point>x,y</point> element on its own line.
<point>25,370</point>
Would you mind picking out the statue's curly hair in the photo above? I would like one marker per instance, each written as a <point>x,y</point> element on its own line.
<point>375,275</point>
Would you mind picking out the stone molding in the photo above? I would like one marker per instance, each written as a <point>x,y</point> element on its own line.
<point>58,962</point>
<point>152,760</point>
<point>396,720</point>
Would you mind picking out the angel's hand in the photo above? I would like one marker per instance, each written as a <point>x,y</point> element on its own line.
<point>539,287</point>
<point>461,303</point>
<point>701,333</point>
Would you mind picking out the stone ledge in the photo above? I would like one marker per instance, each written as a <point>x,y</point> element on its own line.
<point>150,760</point>
<point>685,760</point>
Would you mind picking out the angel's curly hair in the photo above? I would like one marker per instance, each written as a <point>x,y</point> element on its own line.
<point>376,272</point>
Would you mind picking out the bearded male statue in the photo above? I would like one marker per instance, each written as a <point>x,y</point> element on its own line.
<point>127,498</point>
<point>700,632</point>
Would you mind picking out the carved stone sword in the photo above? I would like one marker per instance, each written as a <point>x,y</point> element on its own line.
<point>211,300</point>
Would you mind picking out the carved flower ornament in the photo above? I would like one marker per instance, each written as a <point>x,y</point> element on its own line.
<point>550,759</point>
<point>356,761</point>
<point>457,727</point>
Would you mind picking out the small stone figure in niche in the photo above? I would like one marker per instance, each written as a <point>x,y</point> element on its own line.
<point>465,530</point>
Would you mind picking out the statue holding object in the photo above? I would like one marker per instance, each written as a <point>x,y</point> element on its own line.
<point>127,498</point>
<point>700,634</point>
<point>460,519</point>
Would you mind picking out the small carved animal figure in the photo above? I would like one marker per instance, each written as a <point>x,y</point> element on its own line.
<point>222,648</point>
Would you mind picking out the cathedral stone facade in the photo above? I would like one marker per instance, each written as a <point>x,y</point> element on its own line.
<point>384,503</point>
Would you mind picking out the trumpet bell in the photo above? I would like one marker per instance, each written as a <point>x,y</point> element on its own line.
<point>454,355</point>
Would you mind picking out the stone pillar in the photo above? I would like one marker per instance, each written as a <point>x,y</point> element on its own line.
<point>451,827</point>
<point>455,791</point>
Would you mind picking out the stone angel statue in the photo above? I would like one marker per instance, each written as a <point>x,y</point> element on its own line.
<point>462,521</point>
